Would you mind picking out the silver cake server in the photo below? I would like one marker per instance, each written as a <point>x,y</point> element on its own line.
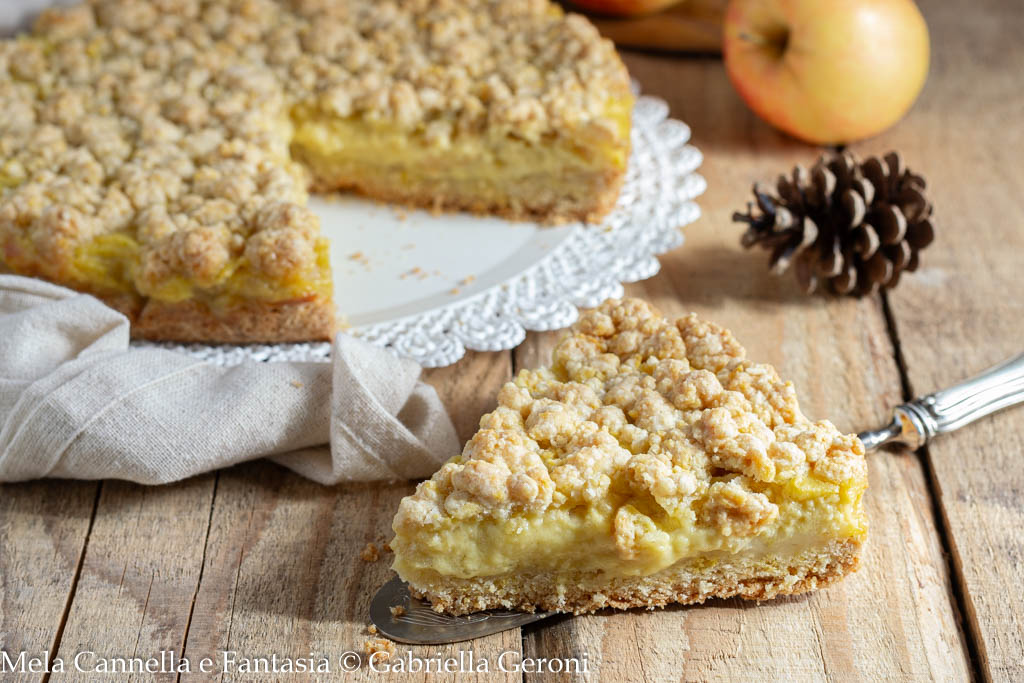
<point>403,618</point>
<point>917,422</point>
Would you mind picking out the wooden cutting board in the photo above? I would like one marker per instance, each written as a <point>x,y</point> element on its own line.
<point>690,26</point>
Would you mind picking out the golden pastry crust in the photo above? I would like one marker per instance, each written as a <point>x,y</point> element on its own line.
<point>683,584</point>
<point>241,323</point>
<point>156,133</point>
<point>533,199</point>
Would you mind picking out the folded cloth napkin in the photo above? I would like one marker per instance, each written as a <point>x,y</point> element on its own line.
<point>76,401</point>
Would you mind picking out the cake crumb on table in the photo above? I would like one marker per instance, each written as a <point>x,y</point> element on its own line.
<point>370,553</point>
<point>379,647</point>
<point>371,629</point>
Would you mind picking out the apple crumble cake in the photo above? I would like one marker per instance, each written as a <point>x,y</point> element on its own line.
<point>158,153</point>
<point>651,463</point>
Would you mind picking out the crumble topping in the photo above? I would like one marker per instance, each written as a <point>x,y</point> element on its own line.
<point>379,649</point>
<point>369,553</point>
<point>736,510</point>
<point>668,412</point>
<point>169,120</point>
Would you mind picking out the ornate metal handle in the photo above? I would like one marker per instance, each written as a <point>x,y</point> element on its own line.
<point>916,422</point>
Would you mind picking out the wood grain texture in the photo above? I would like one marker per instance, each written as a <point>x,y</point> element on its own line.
<point>43,530</point>
<point>284,572</point>
<point>964,310</point>
<point>469,388</point>
<point>140,572</point>
<point>892,619</point>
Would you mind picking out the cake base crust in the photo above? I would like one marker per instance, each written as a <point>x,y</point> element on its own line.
<point>683,583</point>
<point>528,199</point>
<point>245,323</point>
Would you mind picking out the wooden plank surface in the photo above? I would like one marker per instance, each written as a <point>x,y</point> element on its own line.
<point>964,311</point>
<point>284,571</point>
<point>260,561</point>
<point>139,575</point>
<point>43,531</point>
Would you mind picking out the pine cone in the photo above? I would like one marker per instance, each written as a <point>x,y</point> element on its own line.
<point>846,227</point>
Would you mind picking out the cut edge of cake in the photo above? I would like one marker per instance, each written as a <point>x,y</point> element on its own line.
<point>242,323</point>
<point>686,582</point>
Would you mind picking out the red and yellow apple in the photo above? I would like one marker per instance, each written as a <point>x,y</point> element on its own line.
<point>827,71</point>
<point>624,8</point>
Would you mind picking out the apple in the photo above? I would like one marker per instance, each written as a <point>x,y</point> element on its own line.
<point>624,8</point>
<point>827,71</point>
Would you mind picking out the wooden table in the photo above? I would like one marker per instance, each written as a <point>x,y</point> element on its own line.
<point>257,560</point>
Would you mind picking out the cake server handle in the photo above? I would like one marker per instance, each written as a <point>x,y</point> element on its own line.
<point>916,422</point>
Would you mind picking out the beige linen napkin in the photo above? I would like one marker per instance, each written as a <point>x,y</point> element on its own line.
<point>77,402</point>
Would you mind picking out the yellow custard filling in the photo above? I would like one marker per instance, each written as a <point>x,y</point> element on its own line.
<point>109,264</point>
<point>583,538</point>
<point>344,147</point>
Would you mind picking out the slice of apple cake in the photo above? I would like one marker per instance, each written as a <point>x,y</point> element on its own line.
<point>650,463</point>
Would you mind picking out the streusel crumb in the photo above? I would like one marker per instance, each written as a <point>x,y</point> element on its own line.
<point>668,409</point>
<point>379,649</point>
<point>370,553</point>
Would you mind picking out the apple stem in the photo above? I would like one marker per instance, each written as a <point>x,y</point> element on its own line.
<point>775,40</point>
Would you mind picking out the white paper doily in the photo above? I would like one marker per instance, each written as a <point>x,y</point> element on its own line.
<point>429,287</point>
